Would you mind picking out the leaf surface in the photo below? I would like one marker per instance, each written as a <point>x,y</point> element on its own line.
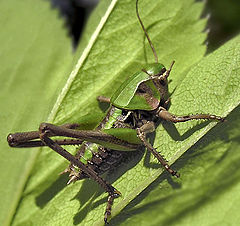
<point>208,190</point>
<point>115,48</point>
<point>35,56</point>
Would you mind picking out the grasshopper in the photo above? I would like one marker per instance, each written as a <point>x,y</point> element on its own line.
<point>135,110</point>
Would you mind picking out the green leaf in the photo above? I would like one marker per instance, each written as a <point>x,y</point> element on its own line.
<point>212,85</point>
<point>208,190</point>
<point>114,50</point>
<point>112,54</point>
<point>35,56</point>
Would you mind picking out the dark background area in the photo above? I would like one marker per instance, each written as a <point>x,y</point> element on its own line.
<point>75,14</point>
<point>223,24</point>
<point>224,21</point>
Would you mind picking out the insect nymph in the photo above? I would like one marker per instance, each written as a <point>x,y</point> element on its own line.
<point>135,109</point>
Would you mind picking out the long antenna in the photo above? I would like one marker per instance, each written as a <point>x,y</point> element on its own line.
<point>149,40</point>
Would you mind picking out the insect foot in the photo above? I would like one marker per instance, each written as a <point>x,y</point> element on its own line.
<point>110,200</point>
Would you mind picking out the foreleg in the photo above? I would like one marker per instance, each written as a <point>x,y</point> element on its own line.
<point>164,114</point>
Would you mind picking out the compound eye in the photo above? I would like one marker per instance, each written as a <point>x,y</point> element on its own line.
<point>163,70</point>
<point>163,82</point>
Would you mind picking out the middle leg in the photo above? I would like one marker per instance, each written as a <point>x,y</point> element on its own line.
<point>142,131</point>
